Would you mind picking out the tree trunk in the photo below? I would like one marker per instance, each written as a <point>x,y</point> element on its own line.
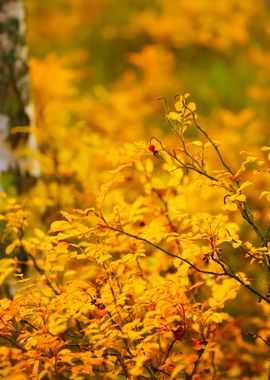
<point>16,171</point>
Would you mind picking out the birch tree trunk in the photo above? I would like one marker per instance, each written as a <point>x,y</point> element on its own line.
<point>16,172</point>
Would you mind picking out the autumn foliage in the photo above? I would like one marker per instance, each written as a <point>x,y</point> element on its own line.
<point>143,250</point>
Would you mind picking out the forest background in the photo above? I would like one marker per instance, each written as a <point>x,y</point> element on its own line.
<point>142,251</point>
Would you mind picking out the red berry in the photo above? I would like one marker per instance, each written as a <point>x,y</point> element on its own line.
<point>179,333</point>
<point>152,148</point>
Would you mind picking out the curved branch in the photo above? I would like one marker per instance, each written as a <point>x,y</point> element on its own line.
<point>224,273</point>
<point>121,231</point>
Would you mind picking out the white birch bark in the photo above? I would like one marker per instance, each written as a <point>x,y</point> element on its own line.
<point>15,95</point>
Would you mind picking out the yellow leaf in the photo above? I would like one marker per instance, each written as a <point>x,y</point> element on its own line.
<point>69,273</point>
<point>17,376</point>
<point>178,105</point>
<point>4,303</point>
<point>236,244</point>
<point>65,356</point>
<point>95,361</point>
<point>133,335</point>
<point>67,216</point>
<point>230,206</point>
<point>35,368</point>
<point>6,268</point>
<point>244,185</point>
<point>219,317</point>
<point>240,198</point>
<point>265,194</point>
<point>172,237</point>
<point>149,166</point>
<point>60,225</point>
<point>11,247</point>
<point>251,159</point>
<point>176,370</point>
<point>174,116</point>
<point>59,268</point>
<point>223,291</point>
<point>192,106</point>
<point>197,143</point>
<point>138,367</point>
<point>39,233</point>
<point>57,324</point>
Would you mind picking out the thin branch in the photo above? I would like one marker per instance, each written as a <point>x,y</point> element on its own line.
<point>267,235</point>
<point>13,343</point>
<point>186,165</point>
<point>29,324</point>
<point>193,160</point>
<point>242,206</point>
<point>169,350</point>
<point>225,272</point>
<point>121,231</point>
<point>247,215</point>
<point>233,275</point>
<point>200,353</point>
<point>165,103</point>
<point>42,272</point>
<point>245,211</point>
<point>209,139</point>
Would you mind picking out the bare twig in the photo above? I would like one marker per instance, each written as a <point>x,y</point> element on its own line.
<point>214,145</point>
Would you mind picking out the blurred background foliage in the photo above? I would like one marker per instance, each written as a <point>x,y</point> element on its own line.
<point>215,50</point>
<point>99,69</point>
<point>100,73</point>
